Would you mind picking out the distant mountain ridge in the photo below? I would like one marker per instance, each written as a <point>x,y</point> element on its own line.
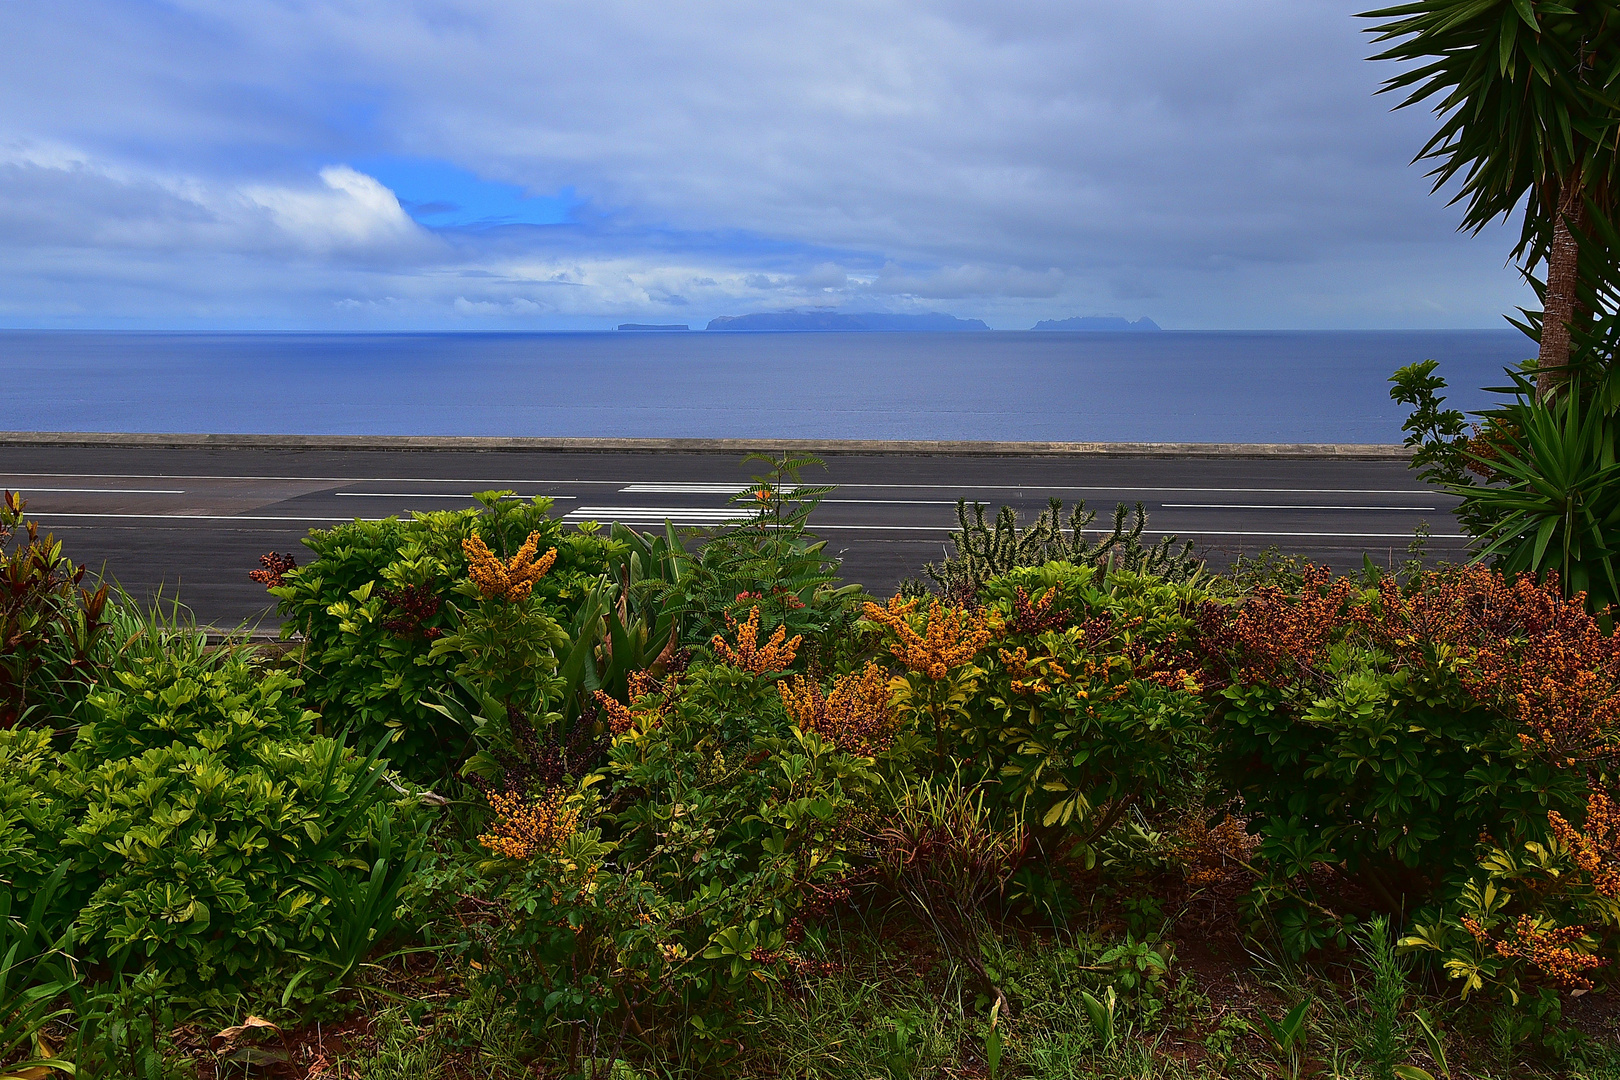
<point>835,320</point>
<point>1096,322</point>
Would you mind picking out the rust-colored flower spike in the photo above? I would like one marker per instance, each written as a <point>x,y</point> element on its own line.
<point>951,637</point>
<point>856,715</point>
<point>513,579</point>
<point>525,827</point>
<point>775,655</point>
<point>1597,850</point>
<point>1547,949</point>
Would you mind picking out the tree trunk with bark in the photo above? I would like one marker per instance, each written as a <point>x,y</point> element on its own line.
<point>1563,273</point>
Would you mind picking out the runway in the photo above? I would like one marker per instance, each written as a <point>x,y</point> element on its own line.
<point>194,521</point>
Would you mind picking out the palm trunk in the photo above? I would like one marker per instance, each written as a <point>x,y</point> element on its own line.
<point>1563,273</point>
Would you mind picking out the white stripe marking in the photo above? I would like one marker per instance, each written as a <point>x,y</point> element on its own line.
<point>429,495</point>
<point>198,517</point>
<point>1280,506</point>
<point>102,491</point>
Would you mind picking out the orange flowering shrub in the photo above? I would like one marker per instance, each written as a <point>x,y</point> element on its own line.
<point>526,826</point>
<point>1273,636</point>
<point>856,715</point>
<point>651,700</point>
<point>748,655</point>
<point>1597,850</point>
<point>512,579</point>
<point>951,636</point>
<point>1546,948</point>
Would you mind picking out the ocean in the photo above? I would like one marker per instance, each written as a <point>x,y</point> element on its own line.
<point>1172,386</point>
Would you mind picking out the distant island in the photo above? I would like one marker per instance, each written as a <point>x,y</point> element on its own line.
<point>833,320</point>
<point>653,326</point>
<point>1096,322</point>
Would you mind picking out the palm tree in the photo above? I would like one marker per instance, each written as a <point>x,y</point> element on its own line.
<point>1526,97</point>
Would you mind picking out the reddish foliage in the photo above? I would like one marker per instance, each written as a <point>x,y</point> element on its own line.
<point>273,566</point>
<point>414,605</point>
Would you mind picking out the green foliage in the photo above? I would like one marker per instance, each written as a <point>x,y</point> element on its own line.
<point>986,551</point>
<point>374,600</point>
<point>767,559</point>
<point>1438,436</point>
<point>1288,1037</point>
<point>202,822</point>
<point>672,910</point>
<point>1082,719</point>
<point>1555,505</point>
<point>1525,89</point>
<point>1388,770</point>
<point>36,971</point>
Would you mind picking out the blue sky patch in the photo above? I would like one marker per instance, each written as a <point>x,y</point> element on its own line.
<point>441,195</point>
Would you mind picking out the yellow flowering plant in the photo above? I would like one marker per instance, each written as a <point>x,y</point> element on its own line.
<point>938,648</point>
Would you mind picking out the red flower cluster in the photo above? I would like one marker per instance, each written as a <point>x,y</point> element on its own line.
<point>273,566</point>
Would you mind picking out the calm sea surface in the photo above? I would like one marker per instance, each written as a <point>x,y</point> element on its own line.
<point>1175,386</point>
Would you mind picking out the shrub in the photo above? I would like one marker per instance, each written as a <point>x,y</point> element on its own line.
<point>377,595</point>
<point>1382,732</point>
<point>673,900</point>
<point>987,551</point>
<point>1075,699</point>
<point>50,627</point>
<point>206,829</point>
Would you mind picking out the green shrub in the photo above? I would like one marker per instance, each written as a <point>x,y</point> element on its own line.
<point>671,903</point>
<point>1383,732</point>
<point>1072,698</point>
<point>202,822</point>
<point>375,598</point>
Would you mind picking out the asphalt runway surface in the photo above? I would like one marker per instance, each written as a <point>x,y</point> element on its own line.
<point>195,521</point>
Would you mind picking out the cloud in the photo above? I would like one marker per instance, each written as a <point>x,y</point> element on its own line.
<point>352,212</point>
<point>1217,163</point>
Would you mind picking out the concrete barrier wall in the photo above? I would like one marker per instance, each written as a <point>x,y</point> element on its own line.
<point>1343,451</point>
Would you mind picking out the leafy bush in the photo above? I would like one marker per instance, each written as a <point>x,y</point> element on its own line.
<point>376,598</point>
<point>205,827</point>
<point>1383,731</point>
<point>663,905</point>
<point>50,627</point>
<point>1075,699</point>
<point>765,561</point>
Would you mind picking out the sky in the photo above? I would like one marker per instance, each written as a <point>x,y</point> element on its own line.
<point>573,164</point>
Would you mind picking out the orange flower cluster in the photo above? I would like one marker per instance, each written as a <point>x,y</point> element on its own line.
<point>1547,949</point>
<point>1273,634</point>
<point>952,636</point>
<point>621,717</point>
<point>525,826</point>
<point>1597,850</point>
<point>775,655</point>
<point>856,715</point>
<point>1520,646</point>
<point>512,579</point>
<point>1034,675</point>
<point>1213,856</point>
